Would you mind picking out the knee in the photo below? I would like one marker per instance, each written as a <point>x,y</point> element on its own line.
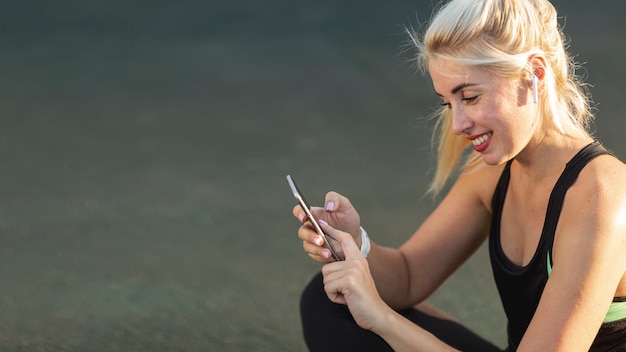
<point>312,298</point>
<point>314,288</point>
<point>321,317</point>
<point>328,326</point>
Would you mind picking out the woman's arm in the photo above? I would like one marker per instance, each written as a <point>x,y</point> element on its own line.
<point>454,231</point>
<point>589,262</point>
<point>445,240</point>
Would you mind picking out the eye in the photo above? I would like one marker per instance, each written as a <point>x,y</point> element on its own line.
<point>470,100</point>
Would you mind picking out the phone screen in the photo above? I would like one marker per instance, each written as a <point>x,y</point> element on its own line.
<point>307,209</point>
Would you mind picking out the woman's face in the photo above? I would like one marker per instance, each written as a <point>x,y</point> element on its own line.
<point>496,114</point>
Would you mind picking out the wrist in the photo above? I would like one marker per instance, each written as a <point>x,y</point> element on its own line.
<point>385,319</point>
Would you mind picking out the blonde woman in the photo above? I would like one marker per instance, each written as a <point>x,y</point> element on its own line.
<point>549,199</point>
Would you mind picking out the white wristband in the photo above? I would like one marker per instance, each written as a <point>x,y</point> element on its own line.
<point>365,243</point>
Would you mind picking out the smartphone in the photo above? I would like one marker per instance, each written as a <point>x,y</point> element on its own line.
<point>307,210</point>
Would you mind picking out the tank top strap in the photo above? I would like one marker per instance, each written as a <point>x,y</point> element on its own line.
<point>565,181</point>
<point>497,201</point>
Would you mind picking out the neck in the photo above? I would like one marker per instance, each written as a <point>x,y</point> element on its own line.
<point>546,157</point>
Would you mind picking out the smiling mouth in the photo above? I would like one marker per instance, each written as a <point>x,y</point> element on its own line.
<point>482,139</point>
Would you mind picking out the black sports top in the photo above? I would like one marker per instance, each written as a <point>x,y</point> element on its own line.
<point>520,287</point>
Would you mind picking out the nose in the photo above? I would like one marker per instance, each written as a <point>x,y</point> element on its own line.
<point>460,122</point>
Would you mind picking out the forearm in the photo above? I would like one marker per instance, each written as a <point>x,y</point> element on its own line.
<point>392,277</point>
<point>403,335</point>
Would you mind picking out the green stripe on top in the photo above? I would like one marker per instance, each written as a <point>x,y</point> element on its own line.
<point>549,265</point>
<point>617,310</point>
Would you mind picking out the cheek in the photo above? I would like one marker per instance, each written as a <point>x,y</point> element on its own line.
<point>510,112</point>
<point>508,123</point>
<point>522,128</point>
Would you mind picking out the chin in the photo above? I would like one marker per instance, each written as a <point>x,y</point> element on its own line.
<point>493,160</point>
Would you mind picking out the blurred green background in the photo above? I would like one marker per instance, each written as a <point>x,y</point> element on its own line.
<point>144,147</point>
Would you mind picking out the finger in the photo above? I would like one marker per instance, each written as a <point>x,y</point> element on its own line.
<point>313,244</point>
<point>335,201</point>
<point>322,259</point>
<point>308,235</point>
<point>299,213</point>
<point>316,249</point>
<point>350,248</point>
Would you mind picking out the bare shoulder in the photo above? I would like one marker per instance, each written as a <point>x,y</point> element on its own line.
<point>482,182</point>
<point>603,180</point>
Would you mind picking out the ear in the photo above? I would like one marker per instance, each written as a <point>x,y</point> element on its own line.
<point>537,65</point>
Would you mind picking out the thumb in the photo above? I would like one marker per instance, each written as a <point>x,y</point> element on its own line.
<point>335,202</point>
<point>350,249</point>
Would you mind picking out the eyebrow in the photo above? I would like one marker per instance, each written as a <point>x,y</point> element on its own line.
<point>459,87</point>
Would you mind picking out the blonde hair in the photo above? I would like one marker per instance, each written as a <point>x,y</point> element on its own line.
<point>501,36</point>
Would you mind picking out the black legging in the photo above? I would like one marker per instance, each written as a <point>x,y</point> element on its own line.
<point>330,327</point>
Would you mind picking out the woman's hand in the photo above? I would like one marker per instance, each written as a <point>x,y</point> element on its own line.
<point>339,212</point>
<point>350,282</point>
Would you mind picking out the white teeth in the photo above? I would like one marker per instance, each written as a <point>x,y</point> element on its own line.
<point>480,140</point>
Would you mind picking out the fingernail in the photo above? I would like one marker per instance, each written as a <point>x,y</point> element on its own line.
<point>323,222</point>
<point>330,206</point>
<point>319,241</point>
<point>325,254</point>
<point>301,217</point>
